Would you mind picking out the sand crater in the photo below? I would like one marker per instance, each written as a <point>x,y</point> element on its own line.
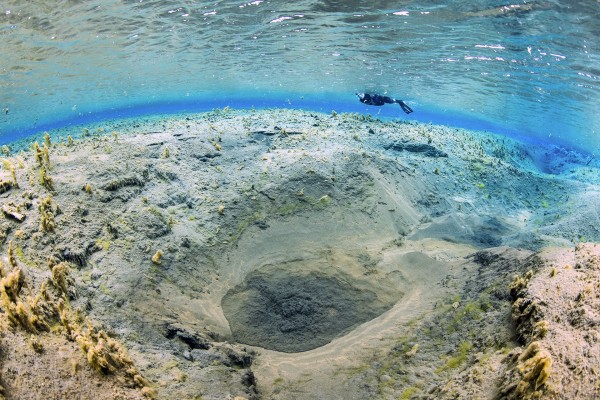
<point>300,305</point>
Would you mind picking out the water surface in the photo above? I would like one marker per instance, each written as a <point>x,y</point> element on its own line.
<point>529,68</point>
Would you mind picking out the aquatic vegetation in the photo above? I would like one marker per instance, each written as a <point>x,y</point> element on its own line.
<point>500,151</point>
<point>413,351</point>
<point>464,315</point>
<point>9,166</point>
<point>36,344</point>
<point>47,140</point>
<point>156,258</point>
<point>43,159</point>
<point>18,313</point>
<point>104,289</point>
<point>39,154</point>
<point>474,310</point>
<point>460,358</point>
<point>46,155</point>
<point>354,371</point>
<point>21,257</point>
<point>109,357</point>
<point>540,329</point>
<point>12,260</point>
<point>13,173</point>
<point>409,393</point>
<point>61,278</point>
<point>325,200</point>
<point>255,218</point>
<point>45,179</point>
<point>47,223</point>
<point>519,283</point>
<point>535,366</point>
<point>118,183</point>
<point>103,243</point>
<point>50,305</point>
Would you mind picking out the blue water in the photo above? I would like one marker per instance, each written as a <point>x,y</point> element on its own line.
<point>530,69</point>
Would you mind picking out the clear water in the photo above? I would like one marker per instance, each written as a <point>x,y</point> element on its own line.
<point>527,68</point>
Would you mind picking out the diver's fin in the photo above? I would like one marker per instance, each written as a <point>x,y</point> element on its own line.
<point>405,107</point>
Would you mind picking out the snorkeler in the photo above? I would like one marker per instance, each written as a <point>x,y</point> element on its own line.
<point>377,100</point>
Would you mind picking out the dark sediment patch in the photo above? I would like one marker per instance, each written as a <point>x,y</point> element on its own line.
<point>479,231</point>
<point>290,309</point>
<point>425,149</point>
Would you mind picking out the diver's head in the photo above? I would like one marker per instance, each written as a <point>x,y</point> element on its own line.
<point>362,97</point>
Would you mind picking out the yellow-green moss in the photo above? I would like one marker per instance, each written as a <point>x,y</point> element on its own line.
<point>20,254</point>
<point>156,258</point>
<point>103,243</point>
<point>461,356</point>
<point>278,381</point>
<point>409,393</point>
<point>104,289</point>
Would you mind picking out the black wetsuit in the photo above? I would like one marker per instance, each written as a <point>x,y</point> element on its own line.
<point>377,100</point>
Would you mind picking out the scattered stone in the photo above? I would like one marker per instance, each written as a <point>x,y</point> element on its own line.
<point>5,186</point>
<point>192,339</point>
<point>76,252</point>
<point>207,357</point>
<point>11,211</point>
<point>240,359</point>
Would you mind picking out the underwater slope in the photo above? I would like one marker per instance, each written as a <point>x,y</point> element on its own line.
<point>150,244</point>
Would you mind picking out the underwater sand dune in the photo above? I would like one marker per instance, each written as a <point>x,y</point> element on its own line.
<point>293,255</point>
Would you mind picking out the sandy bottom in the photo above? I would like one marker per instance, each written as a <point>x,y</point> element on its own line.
<point>292,255</point>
